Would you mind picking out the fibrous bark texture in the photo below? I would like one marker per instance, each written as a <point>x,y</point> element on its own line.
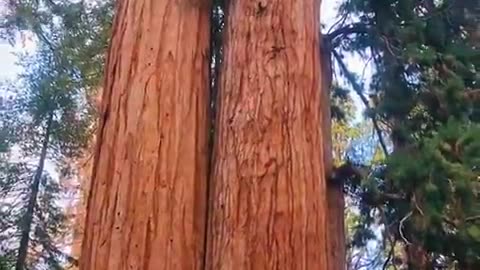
<point>268,179</point>
<point>148,196</point>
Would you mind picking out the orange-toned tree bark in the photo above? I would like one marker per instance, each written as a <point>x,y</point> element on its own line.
<point>79,206</point>
<point>147,202</point>
<point>268,179</point>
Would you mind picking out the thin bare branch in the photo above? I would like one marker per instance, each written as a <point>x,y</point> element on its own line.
<point>400,227</point>
<point>358,89</point>
<point>356,28</point>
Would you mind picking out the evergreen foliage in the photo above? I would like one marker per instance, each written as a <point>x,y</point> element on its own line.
<point>425,95</point>
<point>48,123</point>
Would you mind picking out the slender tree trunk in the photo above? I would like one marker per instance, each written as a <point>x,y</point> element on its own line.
<point>335,196</point>
<point>268,179</point>
<point>32,200</point>
<point>336,227</point>
<point>147,204</point>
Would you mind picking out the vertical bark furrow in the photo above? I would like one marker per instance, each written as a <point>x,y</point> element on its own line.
<point>269,180</point>
<point>146,208</point>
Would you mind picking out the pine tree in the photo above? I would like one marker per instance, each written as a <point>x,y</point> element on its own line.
<point>49,127</point>
<point>53,121</point>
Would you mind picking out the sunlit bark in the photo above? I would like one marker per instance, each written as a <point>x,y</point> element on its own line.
<point>268,191</point>
<point>147,201</point>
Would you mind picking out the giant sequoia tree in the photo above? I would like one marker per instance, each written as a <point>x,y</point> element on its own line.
<point>147,207</point>
<point>268,183</point>
<point>147,202</point>
<point>268,148</point>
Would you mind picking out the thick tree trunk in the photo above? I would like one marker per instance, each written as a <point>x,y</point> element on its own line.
<point>147,201</point>
<point>268,180</point>
<point>32,200</point>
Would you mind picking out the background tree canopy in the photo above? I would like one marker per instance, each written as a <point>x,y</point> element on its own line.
<point>413,182</point>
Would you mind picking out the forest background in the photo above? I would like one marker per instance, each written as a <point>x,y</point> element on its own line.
<point>405,85</point>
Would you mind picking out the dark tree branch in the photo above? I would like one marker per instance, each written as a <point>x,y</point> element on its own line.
<point>472,94</point>
<point>347,171</point>
<point>390,237</point>
<point>340,21</point>
<point>474,218</point>
<point>392,196</point>
<point>389,258</point>
<point>450,222</point>
<point>358,89</point>
<point>356,28</point>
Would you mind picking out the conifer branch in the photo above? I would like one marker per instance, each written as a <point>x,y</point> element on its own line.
<point>356,28</point>
<point>358,89</point>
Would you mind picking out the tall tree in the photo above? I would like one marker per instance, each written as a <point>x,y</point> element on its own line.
<point>147,202</point>
<point>70,37</point>
<point>268,179</point>
<point>49,127</point>
<point>424,90</point>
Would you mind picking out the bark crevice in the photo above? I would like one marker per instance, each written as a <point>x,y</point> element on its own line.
<point>216,46</point>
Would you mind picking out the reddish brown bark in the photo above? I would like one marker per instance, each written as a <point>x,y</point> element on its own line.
<point>83,166</point>
<point>147,202</point>
<point>78,209</point>
<point>336,227</point>
<point>268,184</point>
<point>335,196</point>
<point>417,257</point>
